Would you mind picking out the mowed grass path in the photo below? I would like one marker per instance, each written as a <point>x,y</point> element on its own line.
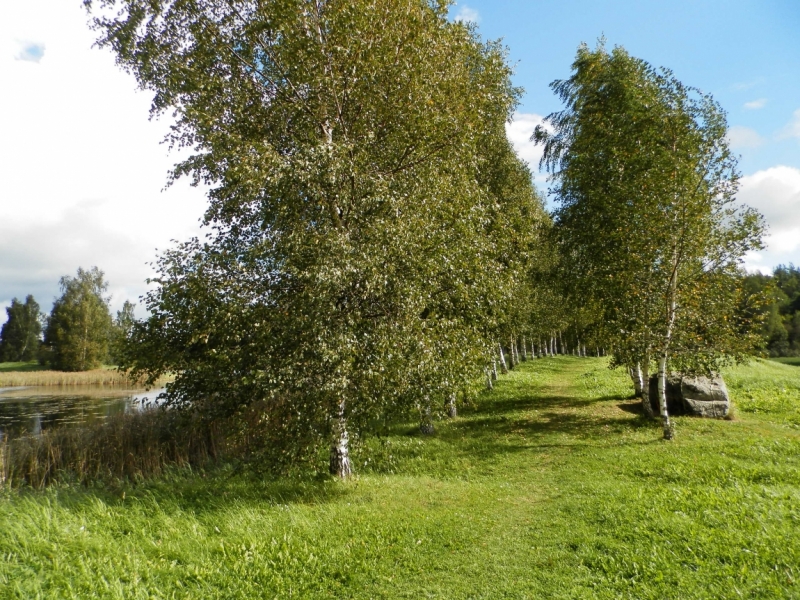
<point>552,487</point>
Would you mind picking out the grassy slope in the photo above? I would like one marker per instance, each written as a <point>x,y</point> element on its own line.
<point>554,487</point>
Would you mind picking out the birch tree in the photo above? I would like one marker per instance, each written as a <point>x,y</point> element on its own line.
<point>79,327</point>
<point>647,218</point>
<point>20,335</point>
<point>348,253</point>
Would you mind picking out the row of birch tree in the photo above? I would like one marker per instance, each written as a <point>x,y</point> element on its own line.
<point>375,246</point>
<point>647,229</point>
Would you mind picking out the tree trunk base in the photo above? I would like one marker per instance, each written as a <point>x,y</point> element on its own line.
<point>340,462</point>
<point>340,449</point>
<point>669,428</point>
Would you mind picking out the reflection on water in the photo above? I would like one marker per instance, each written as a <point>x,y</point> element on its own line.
<point>34,409</point>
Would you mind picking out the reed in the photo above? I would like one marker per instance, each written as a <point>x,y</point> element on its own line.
<point>104,377</point>
<point>131,446</point>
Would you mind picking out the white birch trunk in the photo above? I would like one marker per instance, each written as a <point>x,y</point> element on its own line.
<point>662,361</point>
<point>494,368</point>
<point>340,449</point>
<point>426,425</point>
<point>503,365</point>
<point>452,411</point>
<point>636,378</point>
<point>489,385</point>
<point>524,350</point>
<point>644,369</point>
<point>662,397</point>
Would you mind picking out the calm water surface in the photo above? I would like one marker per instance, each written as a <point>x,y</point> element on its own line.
<point>34,409</point>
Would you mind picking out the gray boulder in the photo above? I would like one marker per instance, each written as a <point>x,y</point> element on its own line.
<point>697,396</point>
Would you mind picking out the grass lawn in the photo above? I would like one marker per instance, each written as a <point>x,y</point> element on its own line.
<point>552,487</point>
<point>788,360</point>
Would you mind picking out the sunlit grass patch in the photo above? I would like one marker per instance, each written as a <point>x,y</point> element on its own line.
<point>767,388</point>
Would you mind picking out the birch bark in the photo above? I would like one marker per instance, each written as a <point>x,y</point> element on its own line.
<point>503,365</point>
<point>340,449</point>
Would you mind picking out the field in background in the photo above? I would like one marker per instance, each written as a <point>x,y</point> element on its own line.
<point>553,486</point>
<point>33,374</point>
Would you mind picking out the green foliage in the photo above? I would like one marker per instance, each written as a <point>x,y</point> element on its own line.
<point>647,221</point>
<point>368,215</point>
<point>20,335</point>
<point>79,327</point>
<point>551,488</point>
<point>121,330</point>
<point>781,313</point>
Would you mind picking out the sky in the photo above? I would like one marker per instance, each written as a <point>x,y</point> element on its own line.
<point>83,170</point>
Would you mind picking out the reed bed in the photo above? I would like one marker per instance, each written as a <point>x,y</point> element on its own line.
<point>103,377</point>
<point>131,446</point>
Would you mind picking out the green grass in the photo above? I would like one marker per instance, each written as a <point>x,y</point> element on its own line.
<point>768,388</point>
<point>553,487</point>
<point>788,360</point>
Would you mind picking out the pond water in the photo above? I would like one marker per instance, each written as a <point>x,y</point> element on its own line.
<point>34,409</point>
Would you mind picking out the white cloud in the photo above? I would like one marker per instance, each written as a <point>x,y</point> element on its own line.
<point>467,15</point>
<point>744,137</point>
<point>81,167</point>
<point>30,52</point>
<point>519,132</point>
<point>792,129</point>
<point>746,85</point>
<point>775,192</point>
<point>756,104</point>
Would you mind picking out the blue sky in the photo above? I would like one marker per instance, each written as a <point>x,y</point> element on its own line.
<point>745,53</point>
<point>82,170</point>
<point>742,51</point>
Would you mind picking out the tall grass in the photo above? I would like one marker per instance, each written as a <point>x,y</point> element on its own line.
<point>130,446</point>
<point>104,377</point>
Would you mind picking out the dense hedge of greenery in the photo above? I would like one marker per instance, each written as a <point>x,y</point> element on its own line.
<point>781,330</point>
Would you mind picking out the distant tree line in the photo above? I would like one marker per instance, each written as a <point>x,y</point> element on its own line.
<point>79,333</point>
<point>781,312</point>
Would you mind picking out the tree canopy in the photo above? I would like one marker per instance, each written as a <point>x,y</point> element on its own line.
<point>647,219</point>
<point>79,327</point>
<point>368,217</point>
<point>21,333</point>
